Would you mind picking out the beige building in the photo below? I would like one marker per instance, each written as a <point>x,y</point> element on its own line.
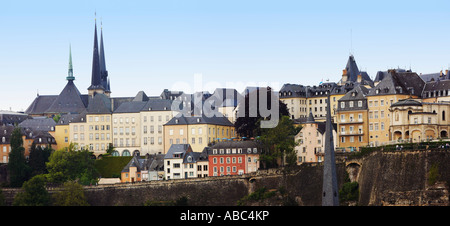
<point>294,96</point>
<point>415,121</point>
<point>154,115</point>
<point>311,141</point>
<point>393,86</point>
<point>127,128</point>
<point>197,131</point>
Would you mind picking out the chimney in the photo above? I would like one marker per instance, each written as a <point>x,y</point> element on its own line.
<point>359,79</point>
<point>344,75</point>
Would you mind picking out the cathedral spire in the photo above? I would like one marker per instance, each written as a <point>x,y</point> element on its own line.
<point>70,76</point>
<point>96,83</point>
<point>103,71</point>
<point>329,188</point>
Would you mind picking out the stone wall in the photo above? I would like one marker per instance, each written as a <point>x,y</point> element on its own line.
<point>384,178</point>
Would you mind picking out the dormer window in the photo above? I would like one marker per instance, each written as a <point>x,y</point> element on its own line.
<point>3,139</point>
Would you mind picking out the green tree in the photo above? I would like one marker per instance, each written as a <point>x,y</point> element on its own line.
<point>279,144</point>
<point>18,167</point>
<point>250,126</point>
<point>72,165</point>
<point>38,157</point>
<point>72,194</point>
<point>33,193</point>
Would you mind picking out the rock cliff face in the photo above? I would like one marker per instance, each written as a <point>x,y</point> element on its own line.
<point>413,178</point>
<point>402,178</point>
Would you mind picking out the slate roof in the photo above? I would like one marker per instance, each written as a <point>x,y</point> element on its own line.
<point>170,95</point>
<point>320,90</point>
<point>395,82</point>
<point>157,105</point>
<point>67,118</point>
<point>99,104</point>
<point>353,71</point>
<point>149,162</point>
<point>441,85</point>
<point>141,96</point>
<point>68,101</point>
<point>178,149</point>
<point>5,132</point>
<point>11,118</point>
<point>292,90</point>
<point>39,124</point>
<point>406,102</point>
<point>40,104</point>
<point>357,93</point>
<point>130,107</point>
<point>244,144</point>
<point>180,119</point>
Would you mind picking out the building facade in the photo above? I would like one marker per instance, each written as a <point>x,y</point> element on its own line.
<point>352,121</point>
<point>198,131</point>
<point>311,141</point>
<point>234,158</point>
<point>395,85</point>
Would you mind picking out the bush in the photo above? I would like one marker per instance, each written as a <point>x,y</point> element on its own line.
<point>433,174</point>
<point>349,192</point>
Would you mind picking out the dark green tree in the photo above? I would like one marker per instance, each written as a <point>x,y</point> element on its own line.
<point>249,126</point>
<point>33,193</point>
<point>279,143</point>
<point>38,157</point>
<point>72,165</point>
<point>72,194</point>
<point>17,166</point>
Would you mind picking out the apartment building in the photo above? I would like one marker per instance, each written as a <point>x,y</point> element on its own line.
<point>311,141</point>
<point>352,121</point>
<point>394,86</point>
<point>154,115</point>
<point>294,96</point>
<point>234,158</point>
<point>197,131</point>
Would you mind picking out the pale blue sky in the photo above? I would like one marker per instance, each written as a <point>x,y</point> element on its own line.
<point>152,45</point>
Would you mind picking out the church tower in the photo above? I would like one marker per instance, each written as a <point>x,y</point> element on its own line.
<point>330,192</point>
<point>96,80</point>
<point>103,71</point>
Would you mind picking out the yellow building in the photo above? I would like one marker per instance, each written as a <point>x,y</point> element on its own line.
<point>352,122</point>
<point>394,86</point>
<point>197,131</point>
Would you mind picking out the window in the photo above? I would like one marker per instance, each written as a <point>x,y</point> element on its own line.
<point>360,103</point>
<point>351,104</point>
<point>193,141</point>
<point>176,165</point>
<point>181,131</point>
<point>342,104</point>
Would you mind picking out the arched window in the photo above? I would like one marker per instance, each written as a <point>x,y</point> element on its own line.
<point>115,153</point>
<point>126,153</point>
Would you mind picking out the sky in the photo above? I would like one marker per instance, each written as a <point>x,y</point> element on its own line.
<point>193,45</point>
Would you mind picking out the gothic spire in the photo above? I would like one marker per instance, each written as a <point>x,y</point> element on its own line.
<point>103,71</point>
<point>70,76</point>
<point>329,188</point>
<point>96,82</point>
